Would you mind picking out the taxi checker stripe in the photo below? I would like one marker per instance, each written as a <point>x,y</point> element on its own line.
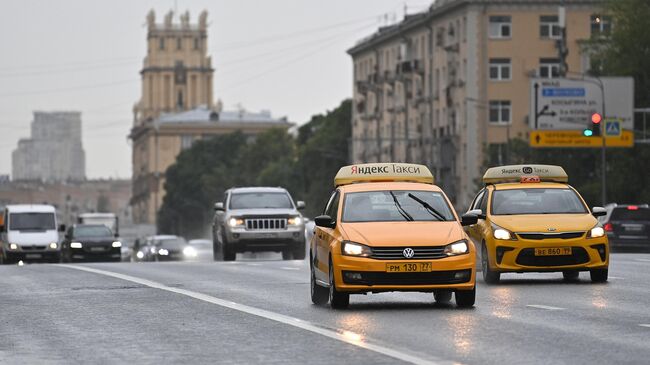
<point>277,317</point>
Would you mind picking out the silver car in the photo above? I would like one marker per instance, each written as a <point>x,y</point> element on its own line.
<point>258,219</point>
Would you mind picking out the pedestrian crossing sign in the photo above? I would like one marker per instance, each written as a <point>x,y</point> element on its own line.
<point>613,128</point>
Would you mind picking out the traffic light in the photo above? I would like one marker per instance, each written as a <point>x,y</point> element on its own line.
<point>594,128</point>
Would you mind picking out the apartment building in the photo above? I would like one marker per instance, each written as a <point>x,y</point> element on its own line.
<point>449,87</point>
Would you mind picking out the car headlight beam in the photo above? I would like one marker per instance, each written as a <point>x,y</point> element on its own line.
<point>76,245</point>
<point>596,232</point>
<point>235,222</point>
<point>502,233</point>
<point>163,252</point>
<point>116,244</point>
<point>355,249</point>
<point>457,248</point>
<point>13,246</point>
<point>294,221</point>
<point>53,245</point>
<point>189,252</point>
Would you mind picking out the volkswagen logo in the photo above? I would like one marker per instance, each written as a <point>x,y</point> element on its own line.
<point>408,253</point>
<point>527,170</point>
<point>552,229</point>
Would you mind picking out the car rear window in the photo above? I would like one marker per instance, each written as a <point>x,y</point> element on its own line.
<point>625,214</point>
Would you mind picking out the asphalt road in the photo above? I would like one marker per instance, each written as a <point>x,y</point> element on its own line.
<point>258,311</point>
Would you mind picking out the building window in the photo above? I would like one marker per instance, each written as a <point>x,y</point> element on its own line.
<point>179,43</point>
<point>161,43</point>
<point>500,111</point>
<point>196,43</point>
<point>500,69</point>
<point>180,102</point>
<point>549,68</point>
<point>187,141</point>
<point>601,25</point>
<point>500,26</point>
<point>549,26</point>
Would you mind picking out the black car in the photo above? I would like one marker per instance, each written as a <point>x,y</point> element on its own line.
<point>627,226</point>
<point>170,248</point>
<point>90,242</point>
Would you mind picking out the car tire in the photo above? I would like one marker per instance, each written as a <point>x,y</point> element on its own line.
<point>226,253</point>
<point>300,252</point>
<point>319,294</point>
<point>466,298</point>
<point>599,275</point>
<point>287,255</point>
<point>2,258</point>
<point>489,276</point>
<point>571,275</point>
<point>337,299</point>
<point>442,296</point>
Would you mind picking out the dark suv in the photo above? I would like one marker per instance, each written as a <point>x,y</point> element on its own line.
<point>627,226</point>
<point>258,219</point>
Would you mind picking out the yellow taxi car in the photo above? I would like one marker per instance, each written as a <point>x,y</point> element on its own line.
<point>387,227</point>
<point>531,220</point>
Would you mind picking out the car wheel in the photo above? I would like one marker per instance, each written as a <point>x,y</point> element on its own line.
<point>228,255</point>
<point>570,275</point>
<point>489,276</point>
<point>599,275</point>
<point>300,252</point>
<point>442,296</point>
<point>217,254</point>
<point>319,294</point>
<point>466,298</point>
<point>2,258</point>
<point>338,300</point>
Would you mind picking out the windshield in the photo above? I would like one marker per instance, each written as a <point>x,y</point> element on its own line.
<point>536,201</point>
<point>260,200</point>
<point>396,206</point>
<point>31,221</point>
<point>625,214</point>
<point>92,231</point>
<point>172,242</point>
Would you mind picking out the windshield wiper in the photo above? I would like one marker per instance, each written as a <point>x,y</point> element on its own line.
<point>400,209</point>
<point>429,208</point>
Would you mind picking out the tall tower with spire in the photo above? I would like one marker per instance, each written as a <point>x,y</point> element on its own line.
<point>177,71</point>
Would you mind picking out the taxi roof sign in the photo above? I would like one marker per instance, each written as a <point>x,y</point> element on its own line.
<point>515,173</point>
<point>376,172</point>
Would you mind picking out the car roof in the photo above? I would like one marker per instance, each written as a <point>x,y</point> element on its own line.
<point>31,208</point>
<point>258,189</point>
<point>377,186</point>
<point>540,185</point>
<point>163,237</point>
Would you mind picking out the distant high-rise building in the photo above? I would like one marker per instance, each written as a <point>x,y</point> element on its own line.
<point>54,152</point>
<point>177,71</point>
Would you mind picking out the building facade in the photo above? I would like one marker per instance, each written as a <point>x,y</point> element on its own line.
<point>176,109</point>
<point>450,87</point>
<point>54,152</point>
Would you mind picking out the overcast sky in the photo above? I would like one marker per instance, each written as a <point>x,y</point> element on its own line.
<point>287,56</point>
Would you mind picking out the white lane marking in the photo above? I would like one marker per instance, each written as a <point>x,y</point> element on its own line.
<point>290,268</point>
<point>547,307</point>
<point>253,264</point>
<point>616,278</point>
<point>343,336</point>
<point>644,325</point>
<point>642,260</point>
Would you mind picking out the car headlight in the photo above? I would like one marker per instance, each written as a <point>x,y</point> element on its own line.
<point>163,252</point>
<point>152,250</point>
<point>596,232</point>
<point>13,246</point>
<point>189,252</point>
<point>117,244</point>
<point>235,222</point>
<point>502,233</point>
<point>294,221</point>
<point>139,255</point>
<point>457,248</point>
<point>53,245</point>
<point>76,245</point>
<point>355,249</point>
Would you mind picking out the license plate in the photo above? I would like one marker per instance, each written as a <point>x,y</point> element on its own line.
<point>409,267</point>
<point>633,227</point>
<point>553,251</point>
<point>268,235</point>
<point>33,256</point>
<point>97,249</point>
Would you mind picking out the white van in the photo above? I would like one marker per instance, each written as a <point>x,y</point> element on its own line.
<point>30,233</point>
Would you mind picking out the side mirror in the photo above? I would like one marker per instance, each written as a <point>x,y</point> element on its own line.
<point>218,207</point>
<point>324,221</point>
<point>62,228</point>
<point>477,212</point>
<point>598,211</point>
<point>468,219</point>
<point>300,205</point>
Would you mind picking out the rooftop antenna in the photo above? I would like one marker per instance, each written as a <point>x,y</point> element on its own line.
<point>405,9</point>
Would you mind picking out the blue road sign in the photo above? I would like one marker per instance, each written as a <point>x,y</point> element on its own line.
<point>613,128</point>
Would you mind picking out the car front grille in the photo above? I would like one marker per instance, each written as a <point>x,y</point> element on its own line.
<point>527,258</point>
<point>550,236</point>
<point>30,248</point>
<point>265,223</point>
<point>397,253</point>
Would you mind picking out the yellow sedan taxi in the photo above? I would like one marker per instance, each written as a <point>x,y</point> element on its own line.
<point>531,220</point>
<point>387,227</point>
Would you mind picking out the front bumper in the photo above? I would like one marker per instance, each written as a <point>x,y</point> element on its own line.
<point>86,254</point>
<point>519,255</point>
<point>362,275</point>
<point>31,252</point>
<point>242,240</point>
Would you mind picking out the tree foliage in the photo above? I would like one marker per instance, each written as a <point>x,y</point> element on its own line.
<point>304,165</point>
